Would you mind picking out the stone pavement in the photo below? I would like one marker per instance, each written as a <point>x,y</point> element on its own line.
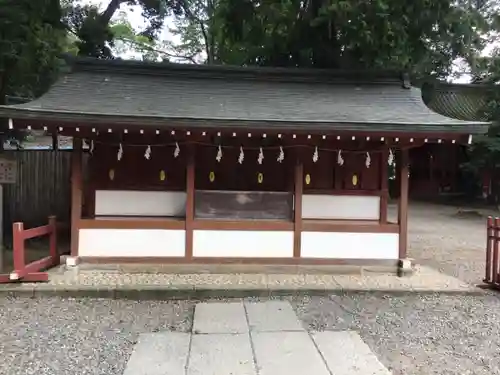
<point>250,338</point>
<point>121,284</point>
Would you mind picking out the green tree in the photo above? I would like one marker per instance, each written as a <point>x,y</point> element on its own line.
<point>32,36</point>
<point>93,27</point>
<point>484,153</point>
<point>419,35</point>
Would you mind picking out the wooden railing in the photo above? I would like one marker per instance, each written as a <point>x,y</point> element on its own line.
<point>33,271</point>
<point>492,274</point>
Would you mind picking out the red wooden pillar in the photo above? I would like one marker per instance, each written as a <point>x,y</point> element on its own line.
<point>495,258</point>
<point>190,175</point>
<point>384,189</point>
<point>18,246</point>
<point>76,193</point>
<point>53,238</point>
<point>298,191</point>
<point>403,203</point>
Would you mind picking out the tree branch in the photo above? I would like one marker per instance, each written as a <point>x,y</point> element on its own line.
<point>110,11</point>
<point>194,18</point>
<point>155,50</point>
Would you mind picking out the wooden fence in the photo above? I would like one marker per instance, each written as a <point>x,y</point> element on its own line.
<point>492,274</point>
<point>32,271</point>
<point>43,188</point>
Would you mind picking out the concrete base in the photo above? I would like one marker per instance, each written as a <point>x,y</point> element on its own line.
<point>71,261</point>
<point>405,267</point>
<point>78,282</point>
<point>241,269</point>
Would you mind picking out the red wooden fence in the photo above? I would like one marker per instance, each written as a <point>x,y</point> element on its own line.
<point>492,274</point>
<point>32,272</point>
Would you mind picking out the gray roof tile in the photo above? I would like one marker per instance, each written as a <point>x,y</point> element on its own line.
<point>169,93</point>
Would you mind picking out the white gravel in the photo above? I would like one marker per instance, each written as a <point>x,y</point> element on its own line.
<point>417,334</point>
<point>412,335</point>
<point>85,336</point>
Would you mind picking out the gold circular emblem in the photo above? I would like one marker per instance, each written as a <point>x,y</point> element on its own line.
<point>211,176</point>
<point>260,178</point>
<point>111,174</point>
<point>354,180</point>
<point>163,176</point>
<point>308,179</point>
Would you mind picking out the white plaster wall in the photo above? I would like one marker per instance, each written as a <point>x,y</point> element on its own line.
<point>132,242</point>
<point>140,203</point>
<point>244,244</point>
<point>346,207</point>
<point>350,245</point>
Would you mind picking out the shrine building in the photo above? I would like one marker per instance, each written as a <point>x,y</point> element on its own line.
<point>222,164</point>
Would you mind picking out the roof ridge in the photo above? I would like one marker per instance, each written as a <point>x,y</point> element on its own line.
<point>287,74</point>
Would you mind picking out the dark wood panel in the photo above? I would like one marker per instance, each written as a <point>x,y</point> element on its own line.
<point>131,223</point>
<point>161,172</point>
<point>351,226</point>
<point>228,174</point>
<point>243,205</point>
<point>254,225</point>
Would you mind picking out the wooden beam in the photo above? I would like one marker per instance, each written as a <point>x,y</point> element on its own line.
<point>298,191</point>
<point>76,193</point>
<point>403,204</point>
<point>55,140</point>
<point>384,190</point>
<point>190,175</point>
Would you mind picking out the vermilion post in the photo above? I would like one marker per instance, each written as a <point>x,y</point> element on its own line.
<point>18,246</point>
<point>495,259</point>
<point>489,240</point>
<point>53,238</point>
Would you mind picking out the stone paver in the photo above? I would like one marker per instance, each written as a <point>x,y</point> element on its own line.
<point>345,353</point>
<point>272,316</point>
<point>221,354</point>
<point>220,318</point>
<point>287,353</point>
<point>162,353</point>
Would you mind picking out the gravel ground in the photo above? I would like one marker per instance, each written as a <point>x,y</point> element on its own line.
<point>68,336</point>
<point>412,335</point>
<point>417,334</point>
<point>445,240</point>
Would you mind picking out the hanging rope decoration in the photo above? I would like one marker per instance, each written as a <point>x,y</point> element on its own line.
<point>390,159</point>
<point>260,158</point>
<point>281,156</point>
<point>241,157</point>
<point>280,148</point>
<point>218,157</point>
<point>315,155</point>
<point>119,155</point>
<point>147,154</point>
<point>340,159</point>
<point>177,150</point>
<point>368,160</point>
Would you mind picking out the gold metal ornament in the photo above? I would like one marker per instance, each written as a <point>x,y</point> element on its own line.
<point>111,174</point>
<point>260,178</point>
<point>211,176</point>
<point>308,179</point>
<point>163,176</point>
<point>354,180</point>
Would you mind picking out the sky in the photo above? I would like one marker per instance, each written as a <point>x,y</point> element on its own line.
<point>137,21</point>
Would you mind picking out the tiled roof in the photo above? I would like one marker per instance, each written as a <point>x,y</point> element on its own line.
<point>459,101</point>
<point>159,94</point>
